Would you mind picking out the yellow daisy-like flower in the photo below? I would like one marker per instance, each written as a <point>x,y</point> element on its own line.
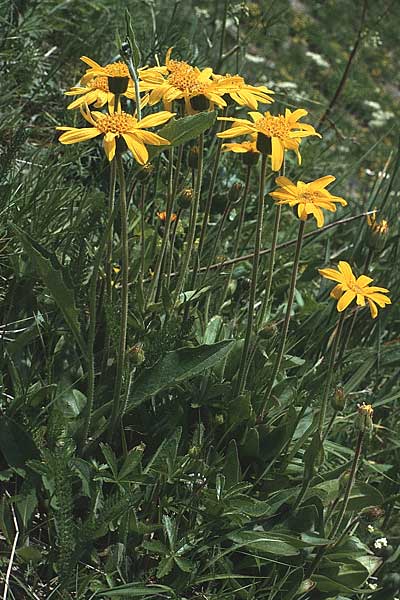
<point>116,125</point>
<point>284,131</point>
<point>243,93</point>
<point>310,198</point>
<point>94,88</point>
<point>177,80</point>
<point>349,288</point>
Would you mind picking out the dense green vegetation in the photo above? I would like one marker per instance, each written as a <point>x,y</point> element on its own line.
<point>197,481</point>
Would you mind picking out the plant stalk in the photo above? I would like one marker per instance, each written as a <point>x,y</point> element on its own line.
<point>285,329</point>
<point>256,259</point>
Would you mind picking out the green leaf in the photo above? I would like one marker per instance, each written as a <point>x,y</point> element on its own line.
<point>361,496</point>
<point>135,590</point>
<point>16,444</point>
<point>232,465</point>
<point>179,131</point>
<point>30,553</point>
<point>51,273</point>
<point>174,367</point>
<point>263,541</point>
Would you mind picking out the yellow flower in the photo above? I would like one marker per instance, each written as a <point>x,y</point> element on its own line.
<point>310,198</point>
<point>94,88</point>
<point>241,147</point>
<point>177,80</point>
<point>350,288</point>
<point>242,93</point>
<point>116,125</point>
<point>365,409</point>
<point>284,131</point>
<point>162,215</point>
<point>377,227</point>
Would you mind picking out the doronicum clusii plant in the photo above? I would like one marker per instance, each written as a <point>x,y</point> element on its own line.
<point>182,414</point>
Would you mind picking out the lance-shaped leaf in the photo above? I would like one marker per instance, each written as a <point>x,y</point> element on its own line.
<point>51,272</point>
<point>174,367</point>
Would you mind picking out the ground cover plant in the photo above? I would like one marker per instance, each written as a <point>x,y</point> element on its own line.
<point>200,301</point>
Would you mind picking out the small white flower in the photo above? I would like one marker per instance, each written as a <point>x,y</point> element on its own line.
<point>380,543</point>
<point>372,586</point>
<point>371,528</point>
<point>318,59</point>
<point>369,172</point>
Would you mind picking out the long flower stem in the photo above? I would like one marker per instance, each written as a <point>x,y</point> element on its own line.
<point>256,259</point>
<point>285,329</point>
<point>142,233</point>
<point>92,319</point>
<point>124,299</point>
<point>192,222</point>
<point>271,267</point>
<point>328,380</point>
<point>167,228</point>
<point>336,526</point>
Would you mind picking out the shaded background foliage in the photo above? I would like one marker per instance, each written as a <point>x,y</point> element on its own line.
<point>201,504</point>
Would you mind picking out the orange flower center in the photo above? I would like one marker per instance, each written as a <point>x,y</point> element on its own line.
<point>273,126</point>
<point>306,197</point>
<point>117,69</point>
<point>99,83</point>
<point>183,77</point>
<point>116,123</point>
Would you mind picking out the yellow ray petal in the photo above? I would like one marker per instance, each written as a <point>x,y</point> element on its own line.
<point>158,118</point>
<point>73,136</point>
<point>372,308</point>
<point>109,145</point>
<point>137,148</point>
<point>277,154</point>
<point>345,300</point>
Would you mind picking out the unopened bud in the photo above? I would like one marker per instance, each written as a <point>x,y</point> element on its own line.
<point>185,198</point>
<point>371,514</point>
<point>364,417</point>
<point>219,419</point>
<point>338,400</point>
<point>136,354</point>
<point>235,192</point>
<point>145,172</point>
<point>377,232</point>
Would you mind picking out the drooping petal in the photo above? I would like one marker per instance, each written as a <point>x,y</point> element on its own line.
<point>74,136</point>
<point>345,300</point>
<point>372,308</point>
<point>109,145</point>
<point>277,154</point>
<point>137,148</point>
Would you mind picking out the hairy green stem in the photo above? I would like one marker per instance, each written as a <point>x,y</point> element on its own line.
<point>115,415</point>
<point>271,266</point>
<point>285,329</point>
<point>256,259</point>
<point>192,222</point>
<point>92,323</point>
<point>329,376</point>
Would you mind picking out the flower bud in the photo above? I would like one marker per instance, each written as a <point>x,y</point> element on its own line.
<point>235,192</point>
<point>193,158</point>
<point>338,400</point>
<point>145,172</point>
<point>118,85</point>
<point>364,417</point>
<point>377,233</point>
<point>136,354</point>
<point>371,514</point>
<point>185,198</point>
<point>219,419</point>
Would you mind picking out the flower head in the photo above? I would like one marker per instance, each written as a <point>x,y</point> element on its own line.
<point>116,125</point>
<point>178,80</point>
<point>310,198</point>
<point>94,86</point>
<point>285,132</point>
<point>243,93</point>
<point>350,288</point>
